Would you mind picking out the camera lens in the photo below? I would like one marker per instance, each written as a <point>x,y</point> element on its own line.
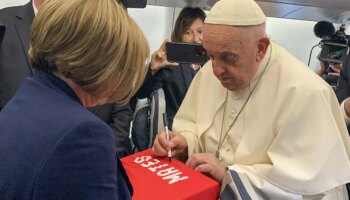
<point>200,50</point>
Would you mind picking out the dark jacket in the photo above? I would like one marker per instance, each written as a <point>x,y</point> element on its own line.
<point>15,67</point>
<point>14,63</point>
<point>342,90</point>
<point>175,81</point>
<point>343,87</point>
<point>51,147</point>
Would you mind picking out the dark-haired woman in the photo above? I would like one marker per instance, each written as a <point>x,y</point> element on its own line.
<point>175,78</point>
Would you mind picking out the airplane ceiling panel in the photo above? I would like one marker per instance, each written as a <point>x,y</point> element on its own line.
<point>300,12</point>
<point>336,11</point>
<point>332,4</point>
<point>315,14</point>
<point>178,3</point>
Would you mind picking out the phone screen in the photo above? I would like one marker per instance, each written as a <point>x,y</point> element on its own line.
<point>186,53</point>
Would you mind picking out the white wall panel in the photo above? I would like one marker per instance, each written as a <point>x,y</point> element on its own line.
<point>156,23</point>
<point>9,3</point>
<point>296,36</point>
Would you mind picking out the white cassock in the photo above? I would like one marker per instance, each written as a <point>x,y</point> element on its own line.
<point>290,140</point>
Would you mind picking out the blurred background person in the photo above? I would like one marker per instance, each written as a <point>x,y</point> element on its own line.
<point>330,72</point>
<point>174,78</point>
<point>343,90</point>
<point>51,146</point>
<point>343,94</point>
<point>15,67</point>
<point>330,56</point>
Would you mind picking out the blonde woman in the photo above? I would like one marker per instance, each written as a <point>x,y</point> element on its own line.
<point>86,53</point>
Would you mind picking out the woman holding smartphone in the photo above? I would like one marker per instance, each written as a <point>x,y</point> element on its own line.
<point>174,78</point>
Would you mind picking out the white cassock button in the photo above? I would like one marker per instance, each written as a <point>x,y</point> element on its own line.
<point>228,138</point>
<point>233,111</point>
<point>227,149</point>
<point>236,98</point>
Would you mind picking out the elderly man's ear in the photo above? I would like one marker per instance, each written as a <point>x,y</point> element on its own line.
<point>262,48</point>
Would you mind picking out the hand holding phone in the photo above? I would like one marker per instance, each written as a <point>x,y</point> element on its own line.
<point>159,58</point>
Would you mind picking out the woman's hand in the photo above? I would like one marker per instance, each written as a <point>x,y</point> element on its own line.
<point>159,59</point>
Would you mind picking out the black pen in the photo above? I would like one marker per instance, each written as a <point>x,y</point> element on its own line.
<point>165,121</point>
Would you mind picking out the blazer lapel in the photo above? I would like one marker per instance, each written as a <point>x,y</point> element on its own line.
<point>23,22</point>
<point>187,74</point>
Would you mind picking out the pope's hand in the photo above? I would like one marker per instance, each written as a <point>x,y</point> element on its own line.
<point>208,164</point>
<point>177,144</point>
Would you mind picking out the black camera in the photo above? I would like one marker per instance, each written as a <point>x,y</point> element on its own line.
<point>334,44</point>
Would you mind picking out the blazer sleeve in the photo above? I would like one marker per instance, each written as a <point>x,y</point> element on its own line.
<point>151,83</point>
<point>120,123</point>
<point>118,117</point>
<point>82,165</point>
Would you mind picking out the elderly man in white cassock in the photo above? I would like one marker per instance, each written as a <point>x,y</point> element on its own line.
<point>258,120</point>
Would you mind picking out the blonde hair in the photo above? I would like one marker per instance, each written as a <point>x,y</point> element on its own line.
<point>94,43</point>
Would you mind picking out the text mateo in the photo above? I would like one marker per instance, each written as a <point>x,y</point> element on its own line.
<point>163,170</point>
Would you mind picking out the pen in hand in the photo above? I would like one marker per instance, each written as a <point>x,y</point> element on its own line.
<point>165,121</point>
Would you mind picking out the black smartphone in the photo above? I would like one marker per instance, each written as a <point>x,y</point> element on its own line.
<point>186,53</point>
<point>2,32</point>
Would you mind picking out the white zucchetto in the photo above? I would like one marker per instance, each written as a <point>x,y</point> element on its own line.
<point>236,13</point>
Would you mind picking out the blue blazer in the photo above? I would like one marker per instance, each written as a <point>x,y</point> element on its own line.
<point>51,147</point>
<point>15,68</point>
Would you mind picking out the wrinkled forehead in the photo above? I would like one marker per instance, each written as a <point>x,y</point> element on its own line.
<point>223,36</point>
